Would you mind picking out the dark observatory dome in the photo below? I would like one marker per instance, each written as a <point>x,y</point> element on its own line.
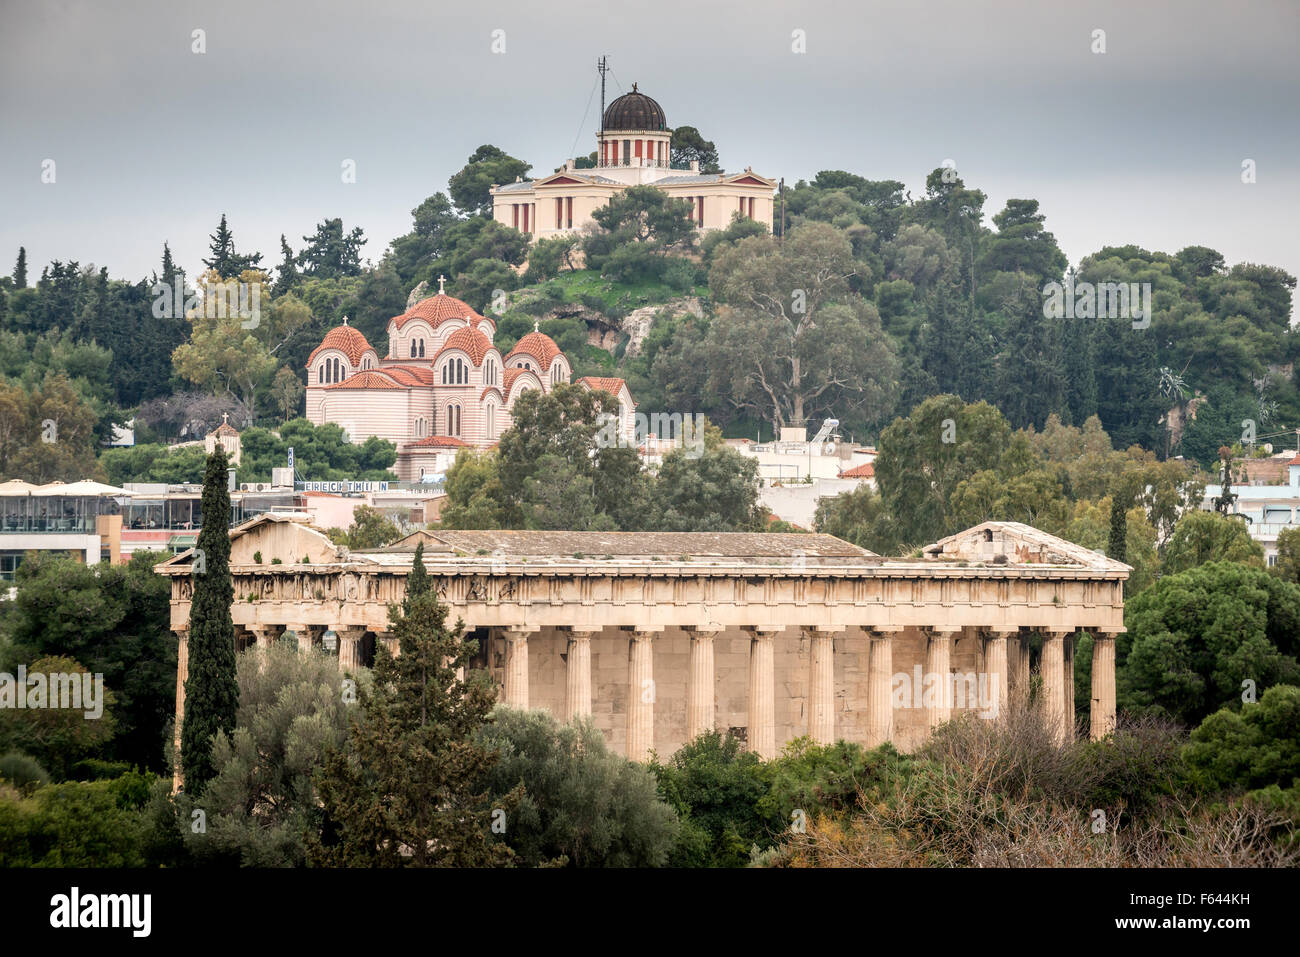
<point>635,111</point>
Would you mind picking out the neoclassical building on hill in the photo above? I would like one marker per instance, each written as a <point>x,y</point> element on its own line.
<point>632,149</point>
<point>442,386</point>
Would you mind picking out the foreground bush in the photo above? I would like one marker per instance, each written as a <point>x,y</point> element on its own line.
<point>582,803</point>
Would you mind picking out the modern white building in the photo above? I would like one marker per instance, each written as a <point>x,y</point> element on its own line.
<point>1268,509</point>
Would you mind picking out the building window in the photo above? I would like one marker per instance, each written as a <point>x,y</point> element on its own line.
<point>650,149</point>
<point>453,420</point>
<point>490,373</point>
<point>1272,560</point>
<point>699,209</point>
<point>491,421</point>
<point>627,152</point>
<point>455,372</point>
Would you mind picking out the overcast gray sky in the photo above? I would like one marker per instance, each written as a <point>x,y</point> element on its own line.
<point>1141,144</point>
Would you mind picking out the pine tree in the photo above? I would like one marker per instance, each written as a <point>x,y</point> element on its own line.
<point>211,691</point>
<point>228,263</point>
<point>410,788</point>
<point>169,269</point>
<point>286,275</point>
<point>20,270</point>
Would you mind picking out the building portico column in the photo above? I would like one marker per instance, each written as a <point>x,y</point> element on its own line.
<point>182,675</point>
<point>388,641</point>
<point>578,675</point>
<point>516,683</point>
<point>880,677</point>
<point>1102,720</point>
<point>1018,666</point>
<point>937,699</point>
<point>762,690</point>
<point>1052,669</point>
<point>264,637</point>
<point>640,694</point>
<point>350,648</point>
<point>308,635</point>
<point>997,667</point>
<point>1067,649</point>
<point>821,685</point>
<point>700,692</point>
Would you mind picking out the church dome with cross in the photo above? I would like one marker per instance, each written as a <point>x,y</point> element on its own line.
<point>443,378</point>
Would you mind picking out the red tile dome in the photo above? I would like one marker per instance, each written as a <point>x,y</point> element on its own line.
<point>470,341</point>
<point>539,346</point>
<point>348,340</point>
<point>438,309</point>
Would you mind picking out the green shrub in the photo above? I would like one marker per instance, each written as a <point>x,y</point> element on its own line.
<point>22,771</point>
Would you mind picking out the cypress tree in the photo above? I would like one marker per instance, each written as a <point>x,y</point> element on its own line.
<point>1117,548</point>
<point>211,692</point>
<point>417,583</point>
<point>20,270</point>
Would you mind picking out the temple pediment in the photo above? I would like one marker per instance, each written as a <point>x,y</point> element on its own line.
<point>1012,543</point>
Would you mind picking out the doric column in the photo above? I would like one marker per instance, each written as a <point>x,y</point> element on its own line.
<point>182,675</point>
<point>350,648</point>
<point>578,675</point>
<point>1052,669</point>
<point>516,690</point>
<point>880,677</point>
<point>1067,648</point>
<point>640,695</point>
<point>1103,685</point>
<point>264,637</point>
<point>937,699</point>
<point>821,685</point>
<point>1018,663</point>
<point>997,667</point>
<point>308,635</point>
<point>762,690</point>
<point>388,641</point>
<point>699,682</point>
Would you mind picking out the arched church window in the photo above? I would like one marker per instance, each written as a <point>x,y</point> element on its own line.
<point>453,420</point>
<point>491,420</point>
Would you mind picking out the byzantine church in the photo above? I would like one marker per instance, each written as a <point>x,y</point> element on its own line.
<point>442,386</point>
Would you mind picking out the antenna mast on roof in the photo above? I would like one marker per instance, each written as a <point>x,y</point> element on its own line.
<point>602,67</point>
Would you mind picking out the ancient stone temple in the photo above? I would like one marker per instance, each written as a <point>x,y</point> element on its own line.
<point>661,636</point>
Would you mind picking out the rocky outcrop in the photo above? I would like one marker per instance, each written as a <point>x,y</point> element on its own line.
<point>636,324</point>
<point>419,292</point>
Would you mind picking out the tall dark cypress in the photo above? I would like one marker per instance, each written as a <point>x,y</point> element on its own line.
<point>1117,548</point>
<point>20,269</point>
<point>417,583</point>
<point>211,692</point>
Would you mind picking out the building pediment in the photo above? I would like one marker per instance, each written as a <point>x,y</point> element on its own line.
<point>1012,543</point>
